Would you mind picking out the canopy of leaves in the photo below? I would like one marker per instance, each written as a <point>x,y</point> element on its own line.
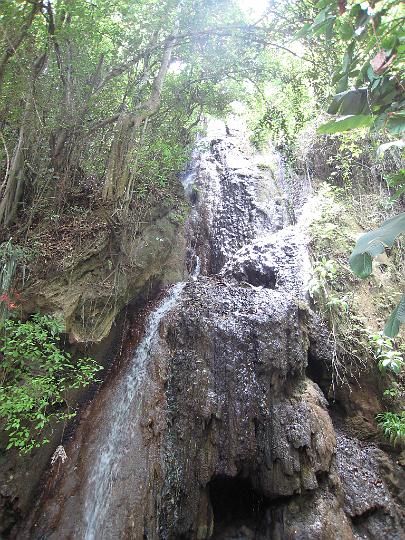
<point>79,74</point>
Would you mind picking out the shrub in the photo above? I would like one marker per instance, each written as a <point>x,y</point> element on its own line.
<point>393,426</point>
<point>36,374</point>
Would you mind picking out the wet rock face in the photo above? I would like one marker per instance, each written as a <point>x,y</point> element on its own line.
<point>234,202</point>
<point>250,448</point>
<point>274,261</point>
<point>236,393</point>
<point>366,474</point>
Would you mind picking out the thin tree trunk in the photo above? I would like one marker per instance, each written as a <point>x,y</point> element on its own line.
<point>15,179</point>
<point>116,185</point>
<point>14,182</point>
<point>13,45</point>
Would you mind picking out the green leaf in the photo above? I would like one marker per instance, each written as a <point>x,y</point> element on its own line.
<point>323,3</point>
<point>320,18</point>
<point>345,124</point>
<point>305,30</point>
<point>362,265</point>
<point>350,102</point>
<point>373,243</point>
<point>395,320</point>
<point>346,31</point>
<point>396,123</point>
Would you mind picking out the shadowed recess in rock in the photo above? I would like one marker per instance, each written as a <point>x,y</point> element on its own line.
<point>238,509</point>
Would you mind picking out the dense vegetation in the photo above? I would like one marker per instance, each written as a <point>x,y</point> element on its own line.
<point>36,376</point>
<point>99,106</point>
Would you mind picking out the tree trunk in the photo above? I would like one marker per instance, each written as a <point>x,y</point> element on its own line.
<point>14,181</point>
<point>118,177</point>
<point>13,44</point>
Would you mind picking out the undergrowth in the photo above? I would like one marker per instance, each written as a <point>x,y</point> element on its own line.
<point>353,309</point>
<point>36,376</point>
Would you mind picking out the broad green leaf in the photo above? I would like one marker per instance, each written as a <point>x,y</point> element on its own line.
<point>396,123</point>
<point>345,124</point>
<point>350,102</point>
<point>395,320</point>
<point>373,243</point>
<point>362,265</point>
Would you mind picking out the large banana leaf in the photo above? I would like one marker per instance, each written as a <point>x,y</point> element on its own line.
<point>372,244</point>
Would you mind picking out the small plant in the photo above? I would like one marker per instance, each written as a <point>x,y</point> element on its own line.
<point>323,283</point>
<point>339,304</point>
<point>325,272</point>
<point>35,375</point>
<point>12,257</point>
<point>179,216</point>
<point>348,154</point>
<point>393,426</point>
<point>393,390</point>
<point>384,351</point>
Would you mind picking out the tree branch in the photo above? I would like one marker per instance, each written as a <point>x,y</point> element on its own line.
<point>13,45</point>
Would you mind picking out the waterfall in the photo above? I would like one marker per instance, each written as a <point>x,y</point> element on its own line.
<point>215,430</point>
<point>118,437</point>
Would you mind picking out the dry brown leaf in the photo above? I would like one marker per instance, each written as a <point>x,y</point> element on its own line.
<point>378,62</point>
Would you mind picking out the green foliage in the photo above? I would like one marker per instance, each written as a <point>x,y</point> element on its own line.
<point>374,243</point>
<point>389,359</point>
<point>159,161</point>
<point>85,111</point>
<point>395,320</point>
<point>12,258</point>
<point>373,62</point>
<point>325,272</point>
<point>348,123</point>
<point>323,285</point>
<point>350,151</point>
<point>396,181</point>
<point>179,217</point>
<point>393,390</point>
<point>36,374</point>
<point>283,104</point>
<point>369,94</point>
<point>393,426</point>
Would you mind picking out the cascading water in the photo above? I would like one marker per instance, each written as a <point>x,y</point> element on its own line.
<point>118,433</point>
<point>215,404</point>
